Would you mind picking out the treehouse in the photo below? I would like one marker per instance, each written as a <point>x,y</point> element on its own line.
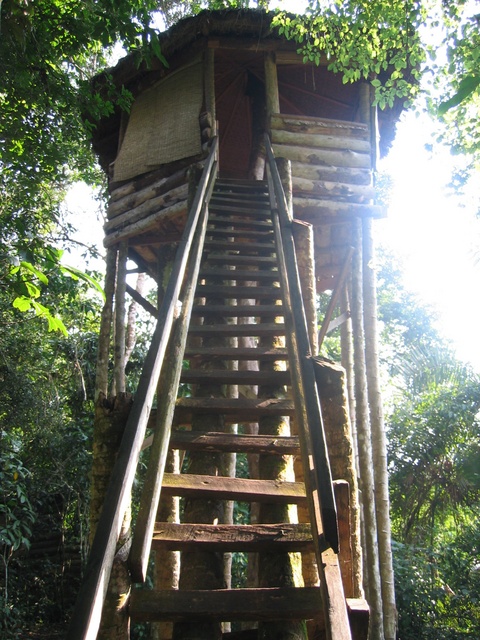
<point>241,183</point>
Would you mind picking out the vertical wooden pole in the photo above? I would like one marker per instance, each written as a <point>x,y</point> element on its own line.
<point>271,86</point>
<point>101,380</point>
<point>377,425</point>
<point>119,367</point>
<point>210,87</point>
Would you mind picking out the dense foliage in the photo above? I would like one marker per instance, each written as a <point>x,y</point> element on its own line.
<point>433,423</point>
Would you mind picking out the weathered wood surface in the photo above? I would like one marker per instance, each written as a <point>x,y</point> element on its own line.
<point>242,443</point>
<point>238,311</point>
<point>221,538</point>
<point>243,247</point>
<point>319,140</point>
<point>132,198</point>
<point>259,293</point>
<point>309,207</point>
<point>170,212</point>
<point>236,604</point>
<point>235,330</point>
<point>238,274</point>
<point>237,353</point>
<point>327,157</point>
<point>238,260</point>
<point>342,500</point>
<point>241,409</point>
<point>242,489</point>
<point>310,124</point>
<point>147,207</point>
<point>223,376</point>
<point>236,221</point>
<point>349,175</point>
<point>332,189</point>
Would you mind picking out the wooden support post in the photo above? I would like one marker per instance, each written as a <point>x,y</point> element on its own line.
<point>101,380</point>
<point>120,290</point>
<point>210,87</point>
<point>271,86</point>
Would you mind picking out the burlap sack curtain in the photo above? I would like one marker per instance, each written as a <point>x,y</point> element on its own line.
<point>163,125</point>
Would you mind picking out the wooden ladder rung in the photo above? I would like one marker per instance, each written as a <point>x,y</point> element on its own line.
<point>241,489</point>
<point>224,604</point>
<point>233,409</point>
<point>214,441</point>
<point>283,537</point>
<point>238,311</point>
<point>238,292</point>
<point>232,330</point>
<point>227,274</point>
<point>228,376</point>
<point>236,353</point>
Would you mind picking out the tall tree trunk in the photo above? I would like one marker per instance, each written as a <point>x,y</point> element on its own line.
<point>110,420</point>
<point>366,480</point>
<point>379,445</point>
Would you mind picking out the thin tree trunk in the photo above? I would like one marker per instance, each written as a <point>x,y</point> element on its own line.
<point>101,380</point>
<point>110,420</point>
<point>131,333</point>
<point>366,480</point>
<point>379,444</point>
<point>119,366</point>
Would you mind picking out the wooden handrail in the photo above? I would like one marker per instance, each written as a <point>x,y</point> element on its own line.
<point>317,474</point>
<point>166,396</point>
<point>86,617</point>
<point>307,402</point>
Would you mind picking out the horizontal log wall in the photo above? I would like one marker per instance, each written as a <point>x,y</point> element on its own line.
<point>332,182</point>
<point>147,204</point>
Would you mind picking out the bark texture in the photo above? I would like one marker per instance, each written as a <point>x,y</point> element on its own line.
<point>110,418</point>
<point>366,481</point>
<point>379,444</point>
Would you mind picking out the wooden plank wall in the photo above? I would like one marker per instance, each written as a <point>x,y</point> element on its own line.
<point>332,182</point>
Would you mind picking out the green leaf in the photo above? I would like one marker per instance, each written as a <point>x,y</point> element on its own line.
<point>22,303</point>
<point>77,274</point>
<point>467,86</point>
<point>29,267</point>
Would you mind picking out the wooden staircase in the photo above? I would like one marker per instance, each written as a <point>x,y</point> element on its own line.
<point>233,310</point>
<point>239,317</point>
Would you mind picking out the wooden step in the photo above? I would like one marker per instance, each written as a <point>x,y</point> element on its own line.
<point>223,537</point>
<point>236,221</point>
<point>238,292</point>
<point>241,185</point>
<point>189,485</point>
<point>235,330</point>
<point>236,353</point>
<point>238,310</point>
<point>236,259</point>
<point>241,247</point>
<point>279,603</point>
<point>239,274</point>
<point>253,210</point>
<point>233,442</point>
<point>228,376</point>
<point>233,409</point>
<point>243,234</point>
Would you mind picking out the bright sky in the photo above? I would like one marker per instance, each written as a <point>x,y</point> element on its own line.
<point>436,238</point>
